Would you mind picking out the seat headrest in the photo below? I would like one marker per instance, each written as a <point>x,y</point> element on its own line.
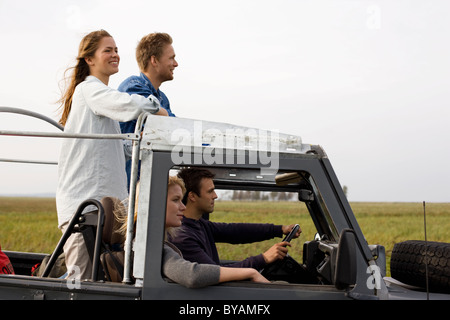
<point>112,224</point>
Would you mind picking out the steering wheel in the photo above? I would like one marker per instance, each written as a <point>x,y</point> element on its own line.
<point>291,234</point>
<point>286,267</point>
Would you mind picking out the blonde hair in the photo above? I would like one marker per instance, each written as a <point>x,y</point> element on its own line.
<point>174,181</point>
<point>151,45</point>
<point>120,211</point>
<point>88,45</point>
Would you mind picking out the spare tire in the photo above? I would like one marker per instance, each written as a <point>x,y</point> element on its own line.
<point>408,264</point>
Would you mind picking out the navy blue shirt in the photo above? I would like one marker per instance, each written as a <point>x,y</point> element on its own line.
<point>140,85</point>
<point>196,240</point>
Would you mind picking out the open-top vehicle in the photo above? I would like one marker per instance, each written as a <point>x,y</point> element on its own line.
<point>337,263</point>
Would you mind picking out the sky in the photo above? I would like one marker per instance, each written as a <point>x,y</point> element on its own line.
<point>366,80</point>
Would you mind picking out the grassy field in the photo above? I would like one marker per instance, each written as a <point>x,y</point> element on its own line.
<point>30,224</point>
<point>381,223</point>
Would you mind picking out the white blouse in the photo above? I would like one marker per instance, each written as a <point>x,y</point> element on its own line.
<point>95,168</point>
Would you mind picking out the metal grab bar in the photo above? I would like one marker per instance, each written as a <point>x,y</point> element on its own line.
<point>28,161</point>
<point>136,138</point>
<point>70,228</point>
<point>132,199</point>
<point>31,114</point>
<point>123,136</point>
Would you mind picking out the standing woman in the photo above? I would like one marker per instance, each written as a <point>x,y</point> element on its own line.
<point>93,168</point>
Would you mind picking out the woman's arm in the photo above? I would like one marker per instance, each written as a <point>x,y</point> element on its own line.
<point>194,275</point>
<point>119,106</point>
<point>236,274</point>
<point>186,273</point>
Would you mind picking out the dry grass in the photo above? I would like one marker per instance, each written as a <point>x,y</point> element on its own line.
<point>28,224</point>
<point>381,223</point>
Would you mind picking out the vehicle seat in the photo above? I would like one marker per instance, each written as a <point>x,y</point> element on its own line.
<point>103,242</point>
<point>112,258</point>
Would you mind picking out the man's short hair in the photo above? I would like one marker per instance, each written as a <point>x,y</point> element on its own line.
<point>192,178</point>
<point>151,45</point>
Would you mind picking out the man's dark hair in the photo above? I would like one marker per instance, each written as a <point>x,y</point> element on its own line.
<point>192,178</point>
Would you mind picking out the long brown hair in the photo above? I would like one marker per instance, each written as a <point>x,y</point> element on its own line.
<point>88,45</point>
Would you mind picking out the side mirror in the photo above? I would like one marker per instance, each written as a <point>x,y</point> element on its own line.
<point>345,272</point>
<point>305,195</point>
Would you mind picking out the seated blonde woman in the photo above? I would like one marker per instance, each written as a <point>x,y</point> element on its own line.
<point>192,274</point>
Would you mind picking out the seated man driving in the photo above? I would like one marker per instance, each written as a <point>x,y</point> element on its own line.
<point>197,237</point>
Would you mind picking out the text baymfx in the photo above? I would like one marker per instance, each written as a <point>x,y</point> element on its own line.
<point>226,309</point>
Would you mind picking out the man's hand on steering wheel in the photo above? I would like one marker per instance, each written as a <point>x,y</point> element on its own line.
<point>275,256</point>
<point>287,228</point>
<point>277,252</point>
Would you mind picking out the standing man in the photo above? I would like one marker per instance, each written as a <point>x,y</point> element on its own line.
<point>156,60</point>
<point>196,239</point>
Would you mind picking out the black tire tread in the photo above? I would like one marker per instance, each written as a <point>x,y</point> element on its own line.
<point>408,264</point>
